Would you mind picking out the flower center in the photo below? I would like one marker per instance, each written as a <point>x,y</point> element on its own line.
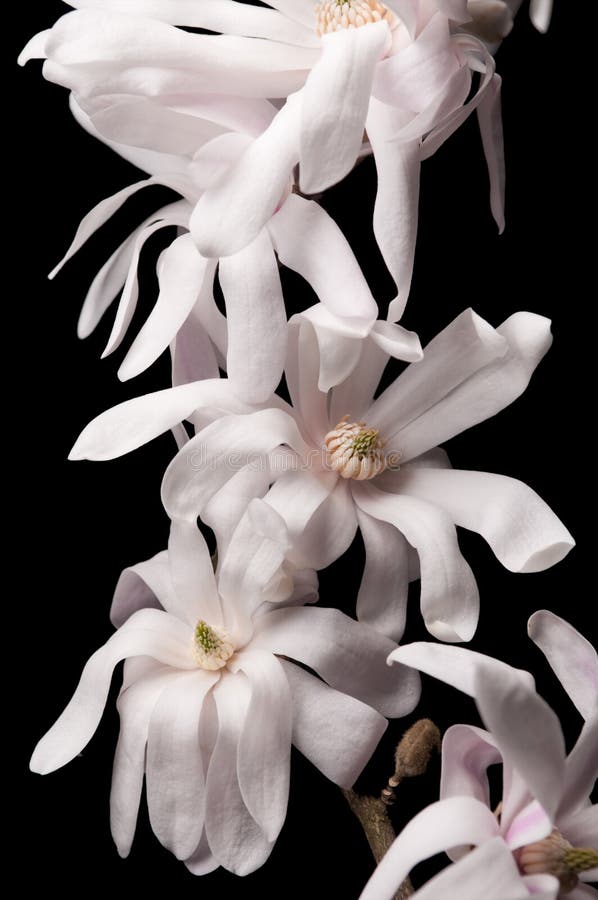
<point>212,647</point>
<point>556,856</point>
<point>354,450</point>
<point>334,15</point>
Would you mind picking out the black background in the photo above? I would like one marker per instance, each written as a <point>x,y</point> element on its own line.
<point>77,525</point>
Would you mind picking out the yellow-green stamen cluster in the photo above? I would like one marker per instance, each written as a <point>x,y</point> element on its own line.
<point>365,441</point>
<point>212,646</point>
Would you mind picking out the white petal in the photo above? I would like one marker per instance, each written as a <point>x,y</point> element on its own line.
<point>335,103</point>
<point>174,769</point>
<point>135,422</point>
<point>355,395</point>
<point>192,574</point>
<point>233,212</point>
<point>236,840</point>
<point>336,732</point>
<point>522,530</point>
<point>145,585</point>
<point>529,825</point>
<point>193,353</point>
<point>490,122</point>
<point>528,733</point>
<point>464,347</point>
<point>35,48</point>
<point>256,317</point>
<point>449,595</point>
<point>149,632</point>
<point>382,598</point>
<point>397,341</point>
<point>182,278</point>
<point>581,830</point>
<point>223,511</point>
<point>581,768</point>
<point>489,388</point>
<point>442,825</point>
<point>573,659</point>
<point>348,655</point>
<point>302,372</point>
<point>263,764</point>
<point>301,230</point>
<point>540,12</point>
<point>135,706</point>
<point>466,754</point>
<point>202,861</point>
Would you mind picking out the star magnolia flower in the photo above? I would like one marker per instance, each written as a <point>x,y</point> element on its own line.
<point>212,699</point>
<point>251,342</point>
<point>343,460</point>
<point>545,819</point>
<point>392,70</point>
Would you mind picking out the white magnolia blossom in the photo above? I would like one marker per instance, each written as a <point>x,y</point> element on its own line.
<point>318,463</point>
<point>212,700</point>
<point>389,78</point>
<point>546,820</point>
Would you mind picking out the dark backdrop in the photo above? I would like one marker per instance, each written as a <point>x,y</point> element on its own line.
<point>78,525</point>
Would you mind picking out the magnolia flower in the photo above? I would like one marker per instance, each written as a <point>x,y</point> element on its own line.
<point>545,818</point>
<point>392,74</point>
<point>212,699</point>
<point>331,463</point>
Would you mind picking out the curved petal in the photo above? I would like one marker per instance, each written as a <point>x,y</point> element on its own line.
<point>449,595</point>
<point>202,861</point>
<point>540,12</point>
<point>442,825</point>
<point>300,231</point>
<point>135,706</point>
<point>194,357</point>
<point>192,573</point>
<point>182,278</point>
<point>234,210</point>
<point>224,510</point>
<point>149,632</point>
<point>336,732</point>
<point>530,824</point>
<point>256,318</point>
<point>581,768</point>
<point>235,839</point>
<point>522,530</point>
<point>355,395</point>
<point>348,655</point>
<point>135,422</point>
<point>335,103</point>
<point>490,122</point>
<point>466,754</point>
<point>145,585</point>
<point>581,830</point>
<point>397,341</point>
<point>382,598</point>
<point>572,658</point>
<point>264,758</point>
<point>302,372</point>
<point>529,735</point>
<point>489,388</point>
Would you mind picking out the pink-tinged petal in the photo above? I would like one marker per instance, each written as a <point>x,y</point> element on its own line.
<point>339,355</point>
<point>182,278</point>
<point>256,317</point>
<point>302,372</point>
<point>335,103</point>
<point>202,861</point>
<point>135,706</point>
<point>528,733</point>
<point>336,732</point>
<point>531,824</point>
<point>192,575</point>
<point>348,655</point>
<point>572,658</point>
<point>223,512</point>
<point>382,598</point>
<point>175,214</point>
<point>490,122</point>
<point>236,840</point>
<point>461,350</point>
<point>581,768</point>
<point>449,595</point>
<point>319,513</point>
<point>522,530</point>
<point>146,585</point>
<point>135,422</point>
<point>226,16</point>
<point>193,355</point>
<point>264,758</point>
<point>214,455</point>
<point>489,871</point>
<point>583,892</point>
<point>442,825</point>
<point>174,773</point>
<point>454,665</point>
<point>301,230</point>
<point>488,389</point>
<point>253,560</point>
<point>456,10</point>
<point>149,632</point>
<point>233,212</point>
<point>466,754</point>
<point>581,829</point>
<point>397,341</point>
<point>540,12</point>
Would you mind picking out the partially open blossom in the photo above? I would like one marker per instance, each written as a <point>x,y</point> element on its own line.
<point>212,699</point>
<point>470,371</point>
